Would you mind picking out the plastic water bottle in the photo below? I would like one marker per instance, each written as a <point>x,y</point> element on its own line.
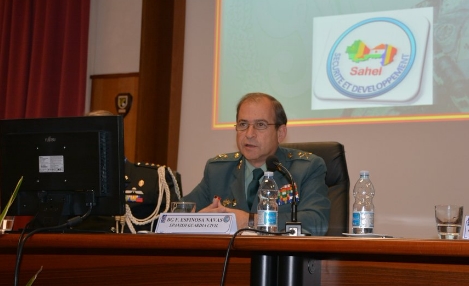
<point>363,208</point>
<point>267,209</point>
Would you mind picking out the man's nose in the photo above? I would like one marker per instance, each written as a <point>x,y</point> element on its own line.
<point>251,131</point>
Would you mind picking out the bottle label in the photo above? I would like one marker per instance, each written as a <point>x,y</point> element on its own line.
<point>363,219</point>
<point>267,218</point>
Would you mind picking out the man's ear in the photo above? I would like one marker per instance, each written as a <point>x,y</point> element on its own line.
<point>281,133</point>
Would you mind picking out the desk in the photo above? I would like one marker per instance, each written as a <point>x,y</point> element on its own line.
<point>164,259</point>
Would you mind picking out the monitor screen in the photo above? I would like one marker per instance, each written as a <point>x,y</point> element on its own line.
<point>68,165</point>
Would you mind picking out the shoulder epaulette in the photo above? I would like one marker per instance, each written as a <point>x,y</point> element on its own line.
<point>293,154</point>
<point>148,165</point>
<point>227,157</point>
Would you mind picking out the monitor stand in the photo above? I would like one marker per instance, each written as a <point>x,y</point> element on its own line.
<point>49,215</point>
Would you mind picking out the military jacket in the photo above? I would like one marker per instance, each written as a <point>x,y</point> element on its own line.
<point>141,194</point>
<point>224,177</point>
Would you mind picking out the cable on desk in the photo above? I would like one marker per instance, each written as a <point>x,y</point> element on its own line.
<point>19,251</point>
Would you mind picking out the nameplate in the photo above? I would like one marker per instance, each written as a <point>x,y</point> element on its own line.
<point>465,234</point>
<point>197,223</point>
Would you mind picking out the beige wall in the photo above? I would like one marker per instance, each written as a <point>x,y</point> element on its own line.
<point>114,38</point>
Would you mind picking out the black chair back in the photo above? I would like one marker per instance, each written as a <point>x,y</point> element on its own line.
<point>337,180</point>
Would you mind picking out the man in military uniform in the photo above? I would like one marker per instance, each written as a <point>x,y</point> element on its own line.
<point>260,128</point>
<point>141,194</point>
<point>142,190</point>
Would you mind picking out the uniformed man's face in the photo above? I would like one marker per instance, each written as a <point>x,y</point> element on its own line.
<point>257,145</point>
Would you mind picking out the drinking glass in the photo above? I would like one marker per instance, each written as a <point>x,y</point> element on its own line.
<point>7,224</point>
<point>448,221</point>
<point>183,207</point>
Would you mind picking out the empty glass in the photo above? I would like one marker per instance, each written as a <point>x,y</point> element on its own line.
<point>183,207</point>
<point>448,221</point>
<point>7,224</point>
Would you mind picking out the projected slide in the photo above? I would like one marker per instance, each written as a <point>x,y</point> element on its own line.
<point>372,58</point>
<point>339,62</point>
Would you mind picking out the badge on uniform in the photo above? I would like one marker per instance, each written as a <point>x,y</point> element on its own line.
<point>285,195</point>
<point>134,196</point>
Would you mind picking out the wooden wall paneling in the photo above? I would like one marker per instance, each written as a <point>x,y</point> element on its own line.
<point>177,63</point>
<point>104,89</point>
<point>160,85</point>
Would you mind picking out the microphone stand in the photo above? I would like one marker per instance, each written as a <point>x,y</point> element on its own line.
<point>291,265</point>
<point>294,224</point>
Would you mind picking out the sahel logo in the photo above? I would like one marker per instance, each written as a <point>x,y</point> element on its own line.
<point>362,72</point>
<point>373,59</point>
<point>359,52</point>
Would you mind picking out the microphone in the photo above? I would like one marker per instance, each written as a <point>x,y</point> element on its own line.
<point>274,164</point>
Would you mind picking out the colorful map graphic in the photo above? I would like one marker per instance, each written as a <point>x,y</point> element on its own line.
<point>359,52</point>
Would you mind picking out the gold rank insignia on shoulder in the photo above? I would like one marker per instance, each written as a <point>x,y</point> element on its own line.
<point>305,154</point>
<point>221,156</point>
<point>229,156</point>
<point>300,155</point>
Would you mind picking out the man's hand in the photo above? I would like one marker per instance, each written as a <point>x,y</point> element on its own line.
<point>242,217</point>
<point>214,207</point>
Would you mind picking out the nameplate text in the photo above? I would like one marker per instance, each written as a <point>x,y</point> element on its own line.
<point>197,223</point>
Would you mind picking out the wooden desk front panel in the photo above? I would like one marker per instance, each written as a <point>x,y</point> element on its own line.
<point>70,259</point>
<point>89,269</point>
<point>108,259</point>
<point>392,273</point>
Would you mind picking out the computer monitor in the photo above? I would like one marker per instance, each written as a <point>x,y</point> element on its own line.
<point>68,165</point>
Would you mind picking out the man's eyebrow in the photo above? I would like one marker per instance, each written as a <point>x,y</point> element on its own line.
<point>255,120</point>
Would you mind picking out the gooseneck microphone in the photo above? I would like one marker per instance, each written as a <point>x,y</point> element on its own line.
<point>292,264</point>
<point>273,164</point>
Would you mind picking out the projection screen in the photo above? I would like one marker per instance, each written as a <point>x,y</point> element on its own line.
<point>344,62</point>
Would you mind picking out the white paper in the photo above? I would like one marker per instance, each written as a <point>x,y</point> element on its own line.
<point>466,228</point>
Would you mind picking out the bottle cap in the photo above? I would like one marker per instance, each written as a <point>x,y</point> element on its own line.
<point>364,173</point>
<point>268,174</point>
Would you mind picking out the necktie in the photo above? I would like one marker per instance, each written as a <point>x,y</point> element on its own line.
<point>254,186</point>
